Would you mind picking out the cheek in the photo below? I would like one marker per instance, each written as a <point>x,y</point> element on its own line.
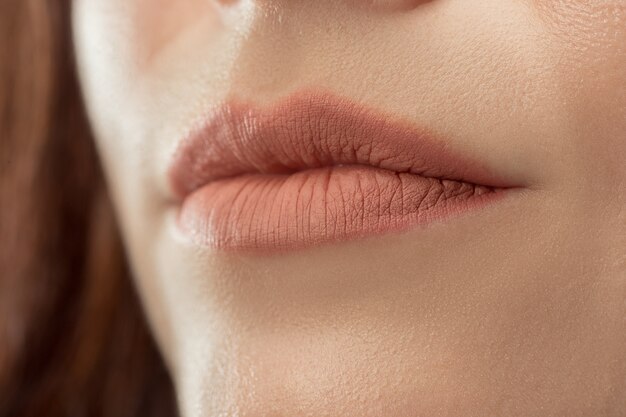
<point>585,26</point>
<point>587,40</point>
<point>588,37</point>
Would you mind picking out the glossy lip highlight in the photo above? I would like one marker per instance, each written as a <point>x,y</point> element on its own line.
<point>316,168</point>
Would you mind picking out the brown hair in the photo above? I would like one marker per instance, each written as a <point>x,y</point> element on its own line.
<point>73,340</point>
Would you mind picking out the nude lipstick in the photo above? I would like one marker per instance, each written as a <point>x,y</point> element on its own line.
<point>316,168</point>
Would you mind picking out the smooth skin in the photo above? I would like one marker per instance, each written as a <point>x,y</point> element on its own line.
<point>518,309</point>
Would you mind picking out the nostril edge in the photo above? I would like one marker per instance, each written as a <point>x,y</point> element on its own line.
<point>225,2</point>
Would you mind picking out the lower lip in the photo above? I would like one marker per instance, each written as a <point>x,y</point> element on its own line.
<point>276,213</point>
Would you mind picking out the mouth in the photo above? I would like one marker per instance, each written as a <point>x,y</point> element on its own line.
<point>313,169</point>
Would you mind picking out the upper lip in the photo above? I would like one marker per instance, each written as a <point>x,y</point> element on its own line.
<point>307,130</point>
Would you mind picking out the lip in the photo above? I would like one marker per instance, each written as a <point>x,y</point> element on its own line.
<point>315,168</point>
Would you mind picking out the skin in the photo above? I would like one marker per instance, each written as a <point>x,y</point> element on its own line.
<point>518,309</point>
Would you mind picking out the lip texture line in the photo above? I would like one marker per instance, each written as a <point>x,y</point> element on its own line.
<point>315,168</point>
